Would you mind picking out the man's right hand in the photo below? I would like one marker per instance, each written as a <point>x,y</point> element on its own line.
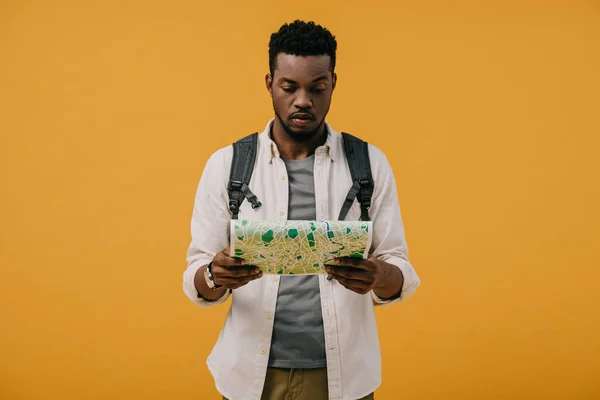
<point>231,272</point>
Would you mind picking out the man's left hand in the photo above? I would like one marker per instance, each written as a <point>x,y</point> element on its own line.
<point>358,274</point>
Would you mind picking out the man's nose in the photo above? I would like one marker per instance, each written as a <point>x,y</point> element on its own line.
<point>303,100</point>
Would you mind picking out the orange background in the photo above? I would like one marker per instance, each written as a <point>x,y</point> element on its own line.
<point>489,115</point>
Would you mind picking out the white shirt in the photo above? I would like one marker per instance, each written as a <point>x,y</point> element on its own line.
<point>238,361</point>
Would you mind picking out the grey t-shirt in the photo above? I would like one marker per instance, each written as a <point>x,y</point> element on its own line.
<point>298,337</point>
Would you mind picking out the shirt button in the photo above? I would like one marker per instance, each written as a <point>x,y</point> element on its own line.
<point>269,316</point>
<point>282,213</point>
<point>263,351</point>
<point>283,177</point>
<point>275,279</point>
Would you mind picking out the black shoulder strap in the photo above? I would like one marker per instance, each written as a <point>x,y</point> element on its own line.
<point>242,165</point>
<point>357,154</point>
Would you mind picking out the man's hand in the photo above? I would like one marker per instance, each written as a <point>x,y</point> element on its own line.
<point>357,274</point>
<point>231,272</point>
<point>361,276</point>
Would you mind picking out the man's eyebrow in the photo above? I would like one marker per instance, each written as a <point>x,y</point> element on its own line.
<point>317,79</point>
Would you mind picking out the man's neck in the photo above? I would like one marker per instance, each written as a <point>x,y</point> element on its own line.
<point>291,149</point>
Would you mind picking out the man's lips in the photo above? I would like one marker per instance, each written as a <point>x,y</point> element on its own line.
<point>302,119</point>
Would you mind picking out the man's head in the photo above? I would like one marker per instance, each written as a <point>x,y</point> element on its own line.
<point>302,77</point>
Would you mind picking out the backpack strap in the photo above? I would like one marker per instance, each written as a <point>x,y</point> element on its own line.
<point>357,154</point>
<point>242,165</point>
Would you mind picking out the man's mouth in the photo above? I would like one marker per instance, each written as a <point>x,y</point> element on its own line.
<point>302,119</point>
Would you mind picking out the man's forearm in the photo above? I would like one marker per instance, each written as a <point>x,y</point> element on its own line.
<point>202,288</point>
<point>393,282</point>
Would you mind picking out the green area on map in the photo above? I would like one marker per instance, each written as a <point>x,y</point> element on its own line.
<point>298,247</point>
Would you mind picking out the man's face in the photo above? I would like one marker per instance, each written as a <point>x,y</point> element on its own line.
<point>301,88</point>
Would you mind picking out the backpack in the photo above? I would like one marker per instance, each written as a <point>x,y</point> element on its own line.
<point>357,154</point>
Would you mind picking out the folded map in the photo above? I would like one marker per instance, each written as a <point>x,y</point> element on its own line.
<point>298,247</point>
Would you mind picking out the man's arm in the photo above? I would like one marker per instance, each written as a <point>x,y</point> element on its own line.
<point>209,228</point>
<point>389,239</point>
<point>388,273</point>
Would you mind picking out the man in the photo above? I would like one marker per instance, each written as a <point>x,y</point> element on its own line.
<point>298,337</point>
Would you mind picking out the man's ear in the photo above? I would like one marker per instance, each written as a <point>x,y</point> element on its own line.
<point>269,84</point>
<point>334,80</point>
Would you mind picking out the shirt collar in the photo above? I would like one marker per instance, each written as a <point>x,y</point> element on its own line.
<point>331,145</point>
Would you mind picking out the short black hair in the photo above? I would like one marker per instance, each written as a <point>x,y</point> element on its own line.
<point>301,39</point>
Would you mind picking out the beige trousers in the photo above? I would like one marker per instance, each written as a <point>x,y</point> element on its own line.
<point>297,384</point>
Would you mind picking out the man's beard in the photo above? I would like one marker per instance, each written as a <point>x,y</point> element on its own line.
<point>299,136</point>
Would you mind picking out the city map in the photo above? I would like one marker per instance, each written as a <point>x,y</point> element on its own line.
<point>298,247</point>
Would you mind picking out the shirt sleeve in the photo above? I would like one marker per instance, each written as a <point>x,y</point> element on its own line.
<point>210,224</point>
<point>389,242</point>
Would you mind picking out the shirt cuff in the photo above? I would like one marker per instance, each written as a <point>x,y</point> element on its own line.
<point>379,300</point>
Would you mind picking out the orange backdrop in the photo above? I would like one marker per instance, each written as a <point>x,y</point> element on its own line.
<point>489,115</point>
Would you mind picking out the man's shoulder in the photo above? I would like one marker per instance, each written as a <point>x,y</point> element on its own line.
<point>376,155</point>
<point>222,153</point>
<point>220,159</point>
<point>223,156</point>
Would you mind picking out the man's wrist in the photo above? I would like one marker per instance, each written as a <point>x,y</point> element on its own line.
<point>204,292</point>
<point>391,283</point>
<point>209,278</point>
<point>385,276</point>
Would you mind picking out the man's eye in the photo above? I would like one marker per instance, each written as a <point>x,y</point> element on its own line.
<point>288,89</point>
<point>319,89</point>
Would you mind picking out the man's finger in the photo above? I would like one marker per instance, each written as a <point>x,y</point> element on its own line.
<point>226,261</point>
<point>235,272</point>
<point>229,281</point>
<point>350,284</point>
<point>349,281</point>
<point>354,262</point>
<point>351,273</point>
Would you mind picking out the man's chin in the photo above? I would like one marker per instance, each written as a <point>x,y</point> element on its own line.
<point>302,130</point>
<point>301,134</point>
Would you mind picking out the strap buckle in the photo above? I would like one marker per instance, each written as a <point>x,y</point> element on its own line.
<point>233,206</point>
<point>364,182</point>
<point>235,185</point>
<point>363,195</point>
